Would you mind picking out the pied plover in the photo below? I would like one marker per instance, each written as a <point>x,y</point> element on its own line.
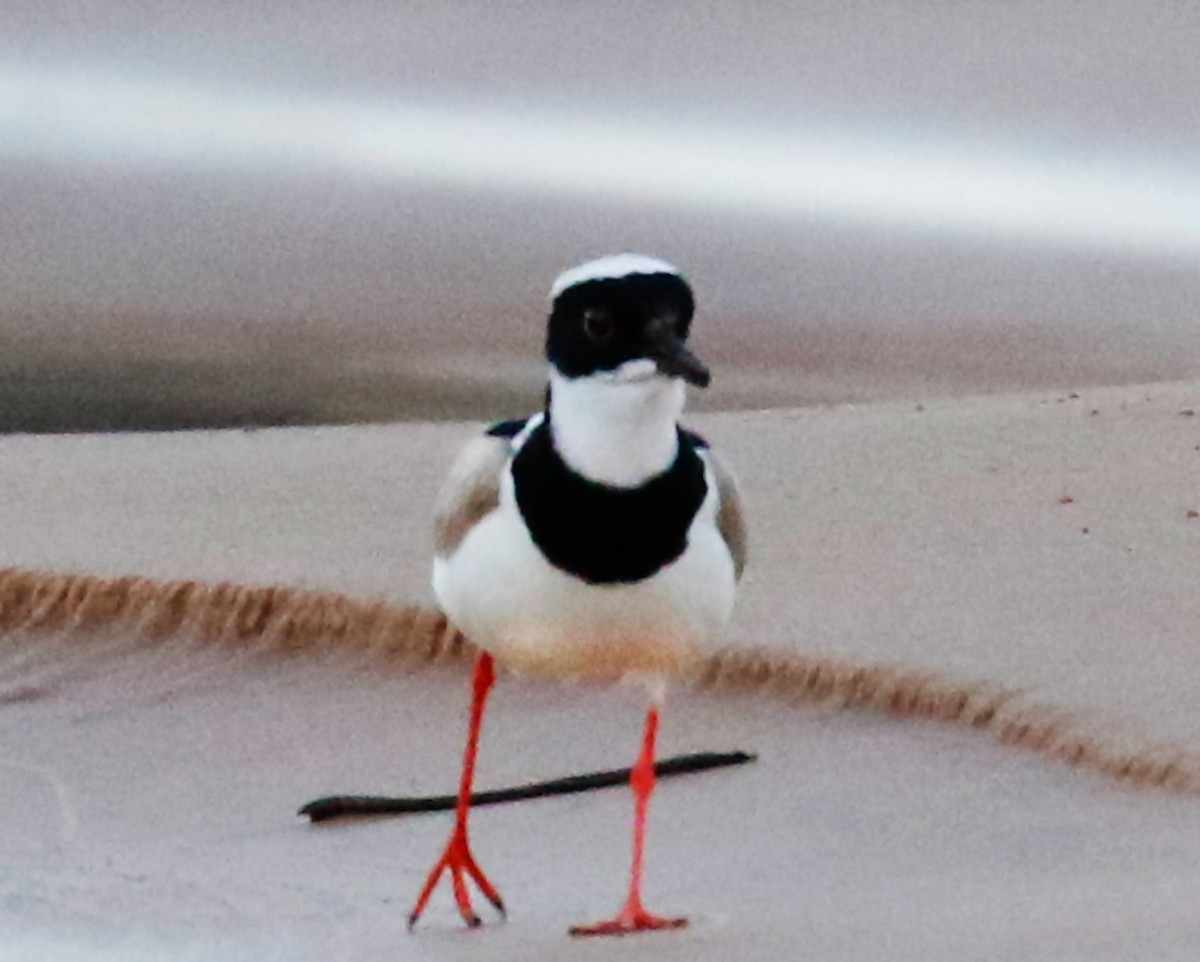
<point>597,539</point>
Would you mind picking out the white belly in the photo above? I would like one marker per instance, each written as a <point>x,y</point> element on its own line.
<point>538,620</point>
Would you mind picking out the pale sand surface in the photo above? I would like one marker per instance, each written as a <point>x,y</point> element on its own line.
<point>148,799</point>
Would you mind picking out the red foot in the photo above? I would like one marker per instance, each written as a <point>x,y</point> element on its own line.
<point>457,859</point>
<point>632,919</point>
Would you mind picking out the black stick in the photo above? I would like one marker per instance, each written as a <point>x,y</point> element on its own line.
<point>342,806</point>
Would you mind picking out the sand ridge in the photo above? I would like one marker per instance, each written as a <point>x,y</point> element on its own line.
<point>292,622</point>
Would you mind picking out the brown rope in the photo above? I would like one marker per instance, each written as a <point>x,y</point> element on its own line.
<point>294,621</point>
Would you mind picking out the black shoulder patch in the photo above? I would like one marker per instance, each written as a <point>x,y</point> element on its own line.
<point>507,429</point>
<point>692,438</point>
<point>603,534</point>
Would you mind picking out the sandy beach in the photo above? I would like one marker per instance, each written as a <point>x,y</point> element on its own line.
<point>945,272</point>
<point>1043,543</point>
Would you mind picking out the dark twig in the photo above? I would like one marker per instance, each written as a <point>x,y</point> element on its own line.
<point>343,806</point>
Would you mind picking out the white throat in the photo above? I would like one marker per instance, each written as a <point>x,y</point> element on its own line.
<point>615,428</point>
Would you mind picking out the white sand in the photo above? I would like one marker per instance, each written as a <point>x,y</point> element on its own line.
<point>148,801</point>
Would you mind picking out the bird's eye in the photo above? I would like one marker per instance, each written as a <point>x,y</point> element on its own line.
<point>599,326</point>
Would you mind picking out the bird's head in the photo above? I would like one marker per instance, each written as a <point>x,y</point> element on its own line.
<point>623,320</point>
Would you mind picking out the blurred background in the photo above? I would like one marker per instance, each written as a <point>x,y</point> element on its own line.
<point>219,213</point>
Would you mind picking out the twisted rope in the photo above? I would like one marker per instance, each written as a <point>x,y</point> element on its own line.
<point>293,621</point>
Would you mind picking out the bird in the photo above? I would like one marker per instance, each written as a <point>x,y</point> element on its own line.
<point>597,539</point>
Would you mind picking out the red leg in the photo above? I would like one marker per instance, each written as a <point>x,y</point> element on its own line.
<point>634,917</point>
<point>457,858</point>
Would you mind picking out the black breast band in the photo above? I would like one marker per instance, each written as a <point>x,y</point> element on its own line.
<point>603,534</point>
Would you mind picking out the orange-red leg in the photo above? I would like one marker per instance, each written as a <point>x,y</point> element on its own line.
<point>457,858</point>
<point>634,917</point>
